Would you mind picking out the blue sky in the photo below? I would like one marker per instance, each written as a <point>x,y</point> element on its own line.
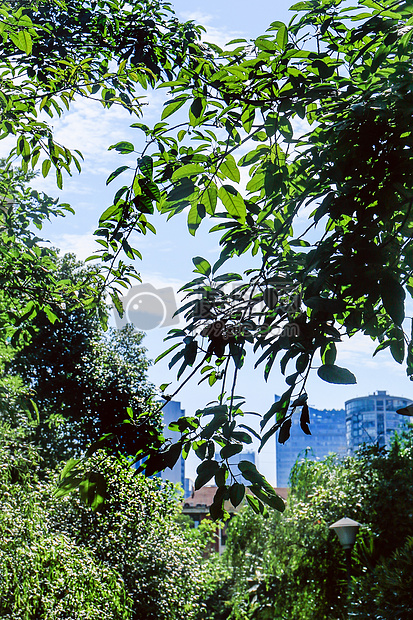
<point>167,256</point>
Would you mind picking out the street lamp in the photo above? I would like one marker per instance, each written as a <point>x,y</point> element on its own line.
<point>346,530</point>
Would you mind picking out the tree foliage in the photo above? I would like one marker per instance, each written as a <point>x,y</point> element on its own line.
<point>292,565</point>
<point>131,561</point>
<point>314,120</point>
<point>51,53</point>
<point>310,121</point>
<point>54,51</point>
<point>28,268</point>
<point>85,383</point>
<point>44,573</point>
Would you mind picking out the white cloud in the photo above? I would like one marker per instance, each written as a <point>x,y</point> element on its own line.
<point>218,36</point>
<point>81,245</point>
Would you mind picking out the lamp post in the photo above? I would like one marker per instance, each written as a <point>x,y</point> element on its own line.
<point>346,530</point>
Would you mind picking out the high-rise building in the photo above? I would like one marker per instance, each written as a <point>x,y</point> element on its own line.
<point>373,419</point>
<point>171,412</point>
<point>328,435</point>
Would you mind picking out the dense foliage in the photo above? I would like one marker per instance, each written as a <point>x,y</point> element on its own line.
<point>315,118</point>
<point>28,269</point>
<point>310,121</point>
<point>292,565</point>
<point>51,53</point>
<point>131,561</point>
<point>83,381</point>
<point>44,573</point>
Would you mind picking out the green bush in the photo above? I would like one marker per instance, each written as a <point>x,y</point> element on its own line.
<point>43,573</point>
<point>133,560</point>
<point>139,536</point>
<point>291,566</point>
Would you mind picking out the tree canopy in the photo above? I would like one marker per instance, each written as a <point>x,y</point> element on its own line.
<point>131,561</point>
<point>53,52</point>
<point>292,565</point>
<point>297,147</point>
<point>85,382</point>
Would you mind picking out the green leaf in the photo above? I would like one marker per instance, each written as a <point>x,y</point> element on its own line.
<point>393,296</point>
<point>164,354</point>
<point>247,118</point>
<point>59,178</point>
<point>205,471</point>
<point>305,419</point>
<point>265,45</point>
<point>284,433</point>
<point>116,173</point>
<point>228,277</point>
<point>324,70</point>
<point>329,353</point>
<point>68,485</point>
<point>236,494</point>
<point>190,352</point>
<point>172,107</point>
<point>209,197</point>
<point>216,509</point>
<point>250,472</point>
<point>405,410</point>
<point>202,266</point>
<point>285,128</point>
<point>241,436</point>
<point>149,189</point>
<point>233,202</point>
<point>271,125</point>
<point>221,476</point>
<point>257,505</point>
<point>301,6</point>
<point>93,490</point>
<point>145,164</point>
<point>282,36</point>
<point>229,169</point>
<point>219,419</point>
<point>197,110</point>
<point>117,302</point>
<point>24,41</point>
<point>71,463</point>
<point>397,344</point>
<point>123,147</point>
<point>279,408</point>
<point>109,212</point>
<point>334,374</point>
<point>195,216</point>
<point>271,499</point>
<point>230,450</point>
<point>182,190</point>
<point>187,171</point>
<point>46,167</point>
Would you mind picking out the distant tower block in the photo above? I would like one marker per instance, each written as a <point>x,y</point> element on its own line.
<point>373,419</point>
<point>328,435</point>
<point>171,412</point>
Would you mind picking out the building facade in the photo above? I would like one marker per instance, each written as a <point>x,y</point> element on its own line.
<point>373,419</point>
<point>328,435</point>
<point>172,411</point>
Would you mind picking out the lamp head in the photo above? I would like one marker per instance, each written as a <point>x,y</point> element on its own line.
<point>346,530</point>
